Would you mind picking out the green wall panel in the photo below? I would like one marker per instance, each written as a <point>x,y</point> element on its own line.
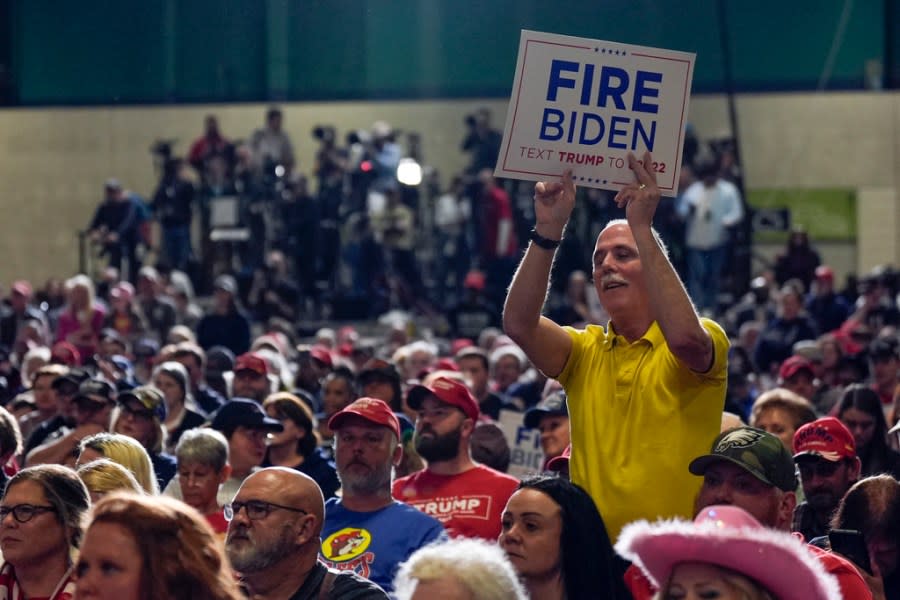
<point>103,51</point>
<point>220,51</point>
<point>134,51</point>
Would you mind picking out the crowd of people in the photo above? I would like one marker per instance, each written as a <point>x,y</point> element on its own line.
<point>153,447</point>
<point>370,226</point>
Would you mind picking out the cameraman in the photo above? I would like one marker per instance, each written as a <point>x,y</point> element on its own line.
<point>173,205</point>
<point>210,144</point>
<point>273,293</point>
<point>116,226</point>
<point>301,216</point>
<point>386,156</point>
<point>331,161</point>
<point>481,141</point>
<point>271,146</point>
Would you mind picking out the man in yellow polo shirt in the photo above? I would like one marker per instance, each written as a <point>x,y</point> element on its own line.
<point>645,394</point>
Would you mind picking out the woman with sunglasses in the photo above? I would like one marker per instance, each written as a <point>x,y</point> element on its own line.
<point>41,516</point>
<point>140,415</point>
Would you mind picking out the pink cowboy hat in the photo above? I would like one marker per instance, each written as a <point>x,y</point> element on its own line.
<point>727,536</point>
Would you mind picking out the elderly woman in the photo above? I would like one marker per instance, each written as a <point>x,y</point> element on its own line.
<point>202,467</point>
<point>461,568</point>
<point>557,542</point>
<point>41,515</point>
<point>137,547</point>
<point>726,554</point>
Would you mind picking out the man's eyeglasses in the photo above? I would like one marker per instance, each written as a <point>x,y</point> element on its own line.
<point>256,509</point>
<point>24,512</point>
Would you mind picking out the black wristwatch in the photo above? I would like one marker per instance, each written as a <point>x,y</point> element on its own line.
<point>545,243</point>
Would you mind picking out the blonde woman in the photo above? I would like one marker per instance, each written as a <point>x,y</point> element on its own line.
<point>781,412</point>
<point>123,450</point>
<point>103,476</point>
<point>725,553</point>
<point>82,318</point>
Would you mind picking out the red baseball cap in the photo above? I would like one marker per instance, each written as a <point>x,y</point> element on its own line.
<point>446,364</point>
<point>372,410</point>
<point>824,272</point>
<point>826,437</point>
<point>66,354</point>
<point>322,354</point>
<point>251,361</point>
<point>558,463</point>
<point>794,365</point>
<point>446,390</point>
<point>460,344</point>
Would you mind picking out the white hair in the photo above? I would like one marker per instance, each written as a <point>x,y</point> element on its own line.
<point>656,236</point>
<point>41,353</point>
<point>510,350</point>
<point>479,566</point>
<point>423,347</point>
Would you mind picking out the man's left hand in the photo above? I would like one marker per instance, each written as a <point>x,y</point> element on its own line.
<point>640,198</point>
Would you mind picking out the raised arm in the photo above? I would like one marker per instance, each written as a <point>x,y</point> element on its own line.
<point>672,308</point>
<point>546,343</point>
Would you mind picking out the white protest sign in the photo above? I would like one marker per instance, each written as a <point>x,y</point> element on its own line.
<point>526,457</point>
<point>583,104</point>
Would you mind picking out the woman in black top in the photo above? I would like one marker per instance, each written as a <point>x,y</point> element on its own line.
<point>297,447</point>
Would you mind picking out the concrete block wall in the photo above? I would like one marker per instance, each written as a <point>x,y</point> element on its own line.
<point>53,161</point>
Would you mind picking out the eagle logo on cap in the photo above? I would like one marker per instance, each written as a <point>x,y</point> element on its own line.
<point>739,438</point>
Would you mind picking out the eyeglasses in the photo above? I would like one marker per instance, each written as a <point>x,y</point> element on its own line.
<point>820,468</point>
<point>138,413</point>
<point>256,509</point>
<point>24,512</point>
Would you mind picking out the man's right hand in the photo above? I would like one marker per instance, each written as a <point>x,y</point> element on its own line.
<point>553,204</point>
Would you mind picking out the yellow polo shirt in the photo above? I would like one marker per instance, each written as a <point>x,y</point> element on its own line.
<point>637,418</point>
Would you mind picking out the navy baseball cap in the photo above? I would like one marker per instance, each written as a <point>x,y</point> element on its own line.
<point>243,412</point>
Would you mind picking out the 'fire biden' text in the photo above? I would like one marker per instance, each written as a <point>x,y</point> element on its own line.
<point>612,89</point>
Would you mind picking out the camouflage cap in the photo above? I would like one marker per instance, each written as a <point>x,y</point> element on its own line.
<point>759,453</point>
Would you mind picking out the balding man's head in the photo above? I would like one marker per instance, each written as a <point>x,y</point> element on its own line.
<point>276,520</point>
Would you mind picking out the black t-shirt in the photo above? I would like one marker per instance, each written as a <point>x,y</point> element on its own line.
<point>347,586</point>
<point>42,433</point>
<point>164,467</point>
